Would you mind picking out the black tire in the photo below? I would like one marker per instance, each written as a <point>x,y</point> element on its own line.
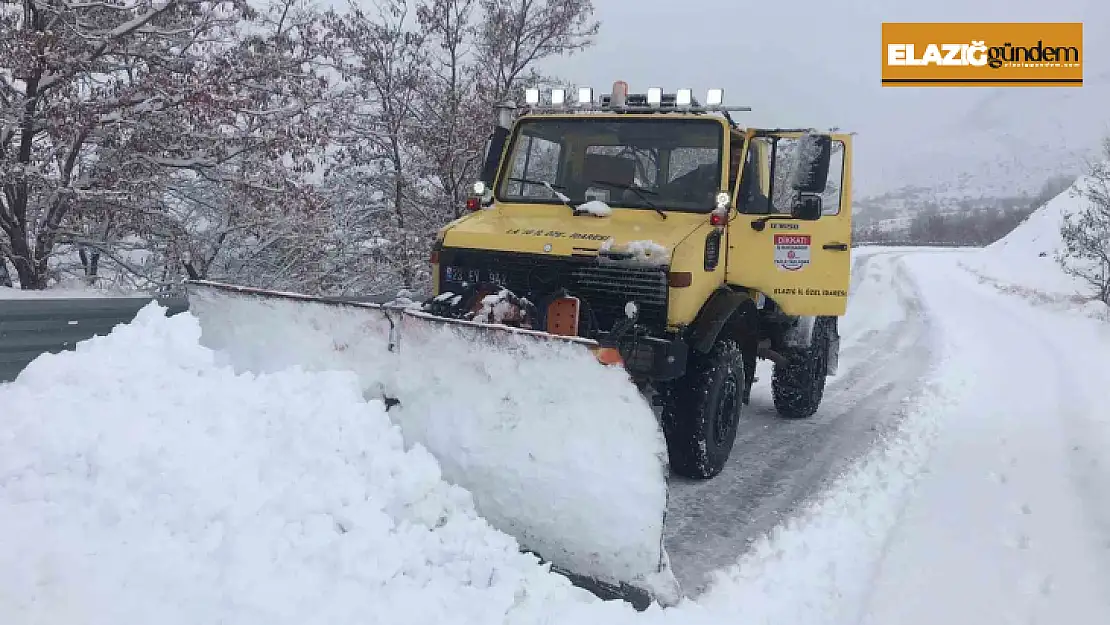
<point>702,410</point>
<point>798,386</point>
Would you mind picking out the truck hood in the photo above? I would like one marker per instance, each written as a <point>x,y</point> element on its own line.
<point>547,229</point>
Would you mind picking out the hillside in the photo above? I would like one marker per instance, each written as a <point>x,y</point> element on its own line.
<point>1025,261</point>
<point>919,215</point>
<point>1005,150</point>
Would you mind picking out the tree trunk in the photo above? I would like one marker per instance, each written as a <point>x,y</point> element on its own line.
<point>32,274</point>
<point>90,262</point>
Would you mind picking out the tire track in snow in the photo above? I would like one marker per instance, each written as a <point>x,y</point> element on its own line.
<point>777,465</point>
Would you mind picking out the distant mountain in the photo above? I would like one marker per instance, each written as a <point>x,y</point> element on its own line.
<point>1000,153</point>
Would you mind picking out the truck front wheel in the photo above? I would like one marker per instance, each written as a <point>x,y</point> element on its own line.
<point>701,411</point>
<point>798,385</point>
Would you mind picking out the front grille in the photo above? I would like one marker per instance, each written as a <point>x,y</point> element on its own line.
<point>604,289</point>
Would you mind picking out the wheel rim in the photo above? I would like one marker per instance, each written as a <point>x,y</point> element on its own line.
<point>726,411</point>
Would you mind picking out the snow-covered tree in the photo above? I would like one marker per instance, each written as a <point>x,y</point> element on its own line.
<point>421,79</point>
<point>376,168</point>
<point>513,36</point>
<point>106,107</point>
<point>1086,234</point>
<point>274,145</point>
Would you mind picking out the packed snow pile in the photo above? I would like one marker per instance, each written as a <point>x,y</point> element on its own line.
<point>1025,262</point>
<point>556,448</point>
<point>142,482</point>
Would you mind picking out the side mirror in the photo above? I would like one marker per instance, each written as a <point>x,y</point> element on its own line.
<point>814,155</point>
<point>494,146</point>
<point>807,207</point>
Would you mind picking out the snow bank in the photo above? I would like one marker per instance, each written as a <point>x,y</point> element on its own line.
<point>142,482</point>
<point>1024,262</point>
<point>557,450</point>
<point>1026,259</point>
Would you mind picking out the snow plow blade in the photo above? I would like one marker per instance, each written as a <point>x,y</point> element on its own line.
<point>558,450</point>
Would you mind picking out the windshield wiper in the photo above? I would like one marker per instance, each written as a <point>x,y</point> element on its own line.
<point>640,191</point>
<point>562,197</point>
<point>553,188</point>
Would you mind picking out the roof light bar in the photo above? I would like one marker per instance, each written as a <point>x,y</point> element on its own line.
<point>654,100</point>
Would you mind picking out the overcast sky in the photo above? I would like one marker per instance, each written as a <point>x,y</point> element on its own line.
<point>816,63</point>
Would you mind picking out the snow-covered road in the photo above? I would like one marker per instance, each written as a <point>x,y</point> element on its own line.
<point>986,503</point>
<point>1010,521</point>
<point>779,464</point>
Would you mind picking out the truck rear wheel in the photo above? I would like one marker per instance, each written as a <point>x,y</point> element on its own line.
<point>798,386</point>
<point>701,411</point>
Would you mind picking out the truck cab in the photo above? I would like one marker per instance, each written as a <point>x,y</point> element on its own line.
<point>673,241</point>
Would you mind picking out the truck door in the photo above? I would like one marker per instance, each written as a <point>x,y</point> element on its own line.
<point>804,265</point>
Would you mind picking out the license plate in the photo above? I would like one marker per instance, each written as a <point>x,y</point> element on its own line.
<point>471,275</point>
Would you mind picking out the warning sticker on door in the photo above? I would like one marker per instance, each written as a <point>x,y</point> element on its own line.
<point>792,251</point>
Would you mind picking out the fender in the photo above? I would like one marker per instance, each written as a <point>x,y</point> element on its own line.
<point>715,314</point>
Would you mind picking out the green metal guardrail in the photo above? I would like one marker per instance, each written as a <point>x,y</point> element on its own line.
<point>31,327</point>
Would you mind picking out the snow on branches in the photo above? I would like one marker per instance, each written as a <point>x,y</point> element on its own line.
<point>108,106</point>
<point>271,144</point>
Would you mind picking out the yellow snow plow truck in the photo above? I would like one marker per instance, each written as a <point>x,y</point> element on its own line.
<point>645,236</point>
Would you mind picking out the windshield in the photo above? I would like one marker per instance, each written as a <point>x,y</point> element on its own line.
<point>657,163</point>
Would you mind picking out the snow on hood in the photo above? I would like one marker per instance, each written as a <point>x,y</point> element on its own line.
<point>646,253</point>
<point>597,208</point>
